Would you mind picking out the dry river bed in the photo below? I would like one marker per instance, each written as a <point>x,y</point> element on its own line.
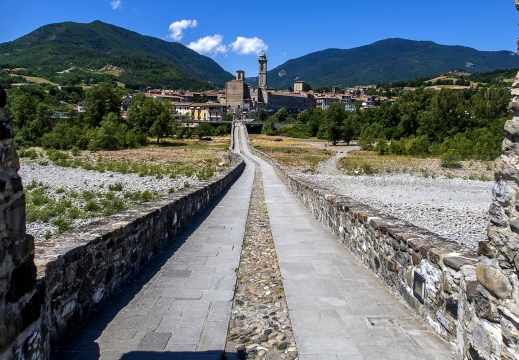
<point>456,209</point>
<point>69,179</point>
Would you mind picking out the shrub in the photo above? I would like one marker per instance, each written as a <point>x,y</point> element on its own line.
<point>75,151</point>
<point>115,187</point>
<point>451,160</point>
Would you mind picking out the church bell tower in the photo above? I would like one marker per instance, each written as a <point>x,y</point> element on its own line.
<point>262,76</point>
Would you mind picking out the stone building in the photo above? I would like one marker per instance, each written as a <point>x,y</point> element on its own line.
<point>242,98</point>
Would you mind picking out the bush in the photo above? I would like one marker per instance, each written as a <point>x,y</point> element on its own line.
<point>451,160</point>
<point>397,147</point>
<point>75,151</point>
<point>115,187</point>
<point>417,146</point>
<point>30,153</point>
<point>56,155</point>
<point>382,148</point>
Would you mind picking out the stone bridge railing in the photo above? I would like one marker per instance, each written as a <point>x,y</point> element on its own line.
<point>79,268</point>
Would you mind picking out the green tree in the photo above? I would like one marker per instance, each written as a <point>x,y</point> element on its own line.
<point>314,120</point>
<point>489,104</point>
<point>151,116</point>
<point>303,117</point>
<point>350,127</point>
<point>333,122</point>
<point>101,100</point>
<point>204,129</point>
<point>162,118</point>
<point>368,136</point>
<point>282,115</point>
<point>445,116</point>
<point>262,115</point>
<point>110,135</point>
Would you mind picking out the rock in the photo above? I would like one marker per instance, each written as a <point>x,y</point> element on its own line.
<point>292,353</point>
<point>252,347</point>
<point>512,126</point>
<point>456,262</point>
<point>494,281</point>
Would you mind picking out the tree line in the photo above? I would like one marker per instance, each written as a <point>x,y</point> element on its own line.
<point>31,110</point>
<point>423,122</point>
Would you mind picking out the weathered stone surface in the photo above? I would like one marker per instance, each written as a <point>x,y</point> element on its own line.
<point>456,262</point>
<point>502,193</point>
<point>484,308</point>
<point>512,126</point>
<point>494,281</point>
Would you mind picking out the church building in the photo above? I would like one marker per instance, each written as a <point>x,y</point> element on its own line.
<point>241,98</point>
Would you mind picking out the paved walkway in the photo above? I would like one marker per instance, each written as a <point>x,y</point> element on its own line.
<point>179,307</point>
<point>338,309</point>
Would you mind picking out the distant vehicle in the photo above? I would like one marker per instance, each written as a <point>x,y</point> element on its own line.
<point>207,138</point>
<point>278,139</point>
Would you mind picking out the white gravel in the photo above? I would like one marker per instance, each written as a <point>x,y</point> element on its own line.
<point>80,180</point>
<point>456,209</point>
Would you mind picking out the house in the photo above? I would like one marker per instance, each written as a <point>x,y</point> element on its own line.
<point>200,111</point>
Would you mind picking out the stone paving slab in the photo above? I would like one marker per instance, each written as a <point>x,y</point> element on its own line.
<point>179,307</point>
<point>338,309</point>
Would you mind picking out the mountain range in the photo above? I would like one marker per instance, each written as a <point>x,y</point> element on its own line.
<point>137,59</point>
<point>67,52</point>
<point>385,61</point>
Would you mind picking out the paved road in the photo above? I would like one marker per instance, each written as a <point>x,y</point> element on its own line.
<point>338,309</point>
<point>179,307</point>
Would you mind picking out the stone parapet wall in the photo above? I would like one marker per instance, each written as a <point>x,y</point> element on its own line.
<point>398,252</point>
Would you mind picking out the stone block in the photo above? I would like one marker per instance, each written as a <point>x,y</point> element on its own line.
<point>23,249</point>
<point>15,218</point>
<point>494,281</point>
<point>497,214</point>
<point>471,289</point>
<point>31,310</point>
<point>456,262</point>
<point>512,126</point>
<point>9,160</point>
<point>502,193</point>
<point>416,258</point>
<point>23,280</point>
<point>6,130</point>
<point>10,327</point>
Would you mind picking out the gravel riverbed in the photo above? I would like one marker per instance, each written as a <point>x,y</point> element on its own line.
<point>456,209</point>
<point>79,180</point>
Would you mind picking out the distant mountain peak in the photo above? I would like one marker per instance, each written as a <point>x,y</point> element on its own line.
<point>145,60</point>
<point>385,61</point>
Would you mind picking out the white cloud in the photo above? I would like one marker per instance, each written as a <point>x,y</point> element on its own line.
<point>116,4</point>
<point>209,45</point>
<point>176,29</point>
<point>245,46</point>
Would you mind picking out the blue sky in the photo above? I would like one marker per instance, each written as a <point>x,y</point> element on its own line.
<point>233,32</point>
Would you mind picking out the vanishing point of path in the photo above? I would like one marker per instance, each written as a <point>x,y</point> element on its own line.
<point>179,307</point>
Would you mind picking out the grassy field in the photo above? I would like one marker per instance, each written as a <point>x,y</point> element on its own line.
<point>368,163</point>
<point>305,154</point>
<point>179,158</point>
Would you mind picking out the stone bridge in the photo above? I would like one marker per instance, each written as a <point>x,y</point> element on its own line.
<point>185,277</point>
